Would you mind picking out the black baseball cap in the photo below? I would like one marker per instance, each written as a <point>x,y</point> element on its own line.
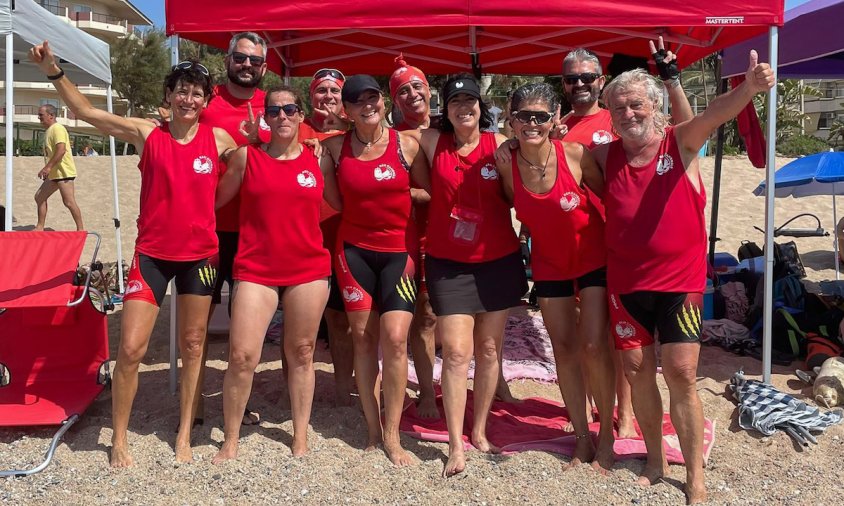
<point>465,85</point>
<point>356,85</point>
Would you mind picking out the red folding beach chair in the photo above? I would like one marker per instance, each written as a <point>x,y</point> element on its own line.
<point>53,341</point>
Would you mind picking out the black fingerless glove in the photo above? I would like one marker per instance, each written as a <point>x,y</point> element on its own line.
<point>667,71</point>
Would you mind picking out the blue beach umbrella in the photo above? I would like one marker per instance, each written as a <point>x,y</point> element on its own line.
<point>818,174</point>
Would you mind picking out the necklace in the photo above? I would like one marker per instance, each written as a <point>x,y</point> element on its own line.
<point>368,145</point>
<point>537,167</point>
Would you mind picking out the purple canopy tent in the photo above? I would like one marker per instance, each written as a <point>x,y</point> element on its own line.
<point>811,44</point>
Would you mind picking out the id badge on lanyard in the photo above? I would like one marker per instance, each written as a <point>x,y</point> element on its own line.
<point>465,221</point>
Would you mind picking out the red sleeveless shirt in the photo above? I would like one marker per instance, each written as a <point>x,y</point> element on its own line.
<point>376,199</point>
<point>178,185</point>
<point>469,182</point>
<point>656,234</point>
<point>567,232</point>
<point>280,241</point>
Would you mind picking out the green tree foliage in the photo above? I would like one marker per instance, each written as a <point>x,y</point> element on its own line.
<point>211,57</point>
<point>789,117</point>
<point>138,67</point>
<point>836,133</point>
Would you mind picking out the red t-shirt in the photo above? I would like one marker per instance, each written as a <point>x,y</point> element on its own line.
<point>280,241</point>
<point>376,199</point>
<point>178,186</point>
<point>227,112</point>
<point>567,232</point>
<point>590,130</point>
<point>656,235</point>
<point>468,186</point>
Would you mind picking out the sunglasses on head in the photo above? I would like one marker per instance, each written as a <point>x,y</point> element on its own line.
<point>240,58</point>
<point>333,73</point>
<point>538,117</point>
<point>585,78</point>
<point>187,65</point>
<point>273,111</point>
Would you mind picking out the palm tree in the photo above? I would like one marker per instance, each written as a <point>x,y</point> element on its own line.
<point>790,117</point>
<point>836,133</point>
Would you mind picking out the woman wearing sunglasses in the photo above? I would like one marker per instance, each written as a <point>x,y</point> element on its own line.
<point>280,259</point>
<point>545,180</point>
<point>375,258</point>
<point>176,236</point>
<point>473,265</point>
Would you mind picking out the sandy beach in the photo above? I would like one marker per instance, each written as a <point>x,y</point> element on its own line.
<point>744,468</point>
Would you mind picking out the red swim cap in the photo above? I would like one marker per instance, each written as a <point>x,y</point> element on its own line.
<point>404,74</point>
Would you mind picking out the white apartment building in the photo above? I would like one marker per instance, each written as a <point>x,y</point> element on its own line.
<point>824,110</point>
<point>107,20</point>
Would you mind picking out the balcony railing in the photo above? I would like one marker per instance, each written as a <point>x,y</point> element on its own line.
<point>99,18</point>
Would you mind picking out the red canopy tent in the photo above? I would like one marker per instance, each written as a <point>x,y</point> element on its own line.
<point>490,36</point>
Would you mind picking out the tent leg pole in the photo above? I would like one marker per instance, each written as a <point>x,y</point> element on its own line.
<point>716,181</point>
<point>835,235</point>
<point>770,160</point>
<point>10,121</point>
<point>116,197</point>
<point>174,309</point>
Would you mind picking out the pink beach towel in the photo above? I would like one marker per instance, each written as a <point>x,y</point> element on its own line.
<point>537,424</point>
<point>527,353</point>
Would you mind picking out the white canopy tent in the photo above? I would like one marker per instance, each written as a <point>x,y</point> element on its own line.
<point>85,59</point>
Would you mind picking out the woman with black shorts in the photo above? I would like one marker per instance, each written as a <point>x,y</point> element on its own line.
<point>473,264</point>
<point>179,172</point>
<point>546,180</point>
<point>375,260</point>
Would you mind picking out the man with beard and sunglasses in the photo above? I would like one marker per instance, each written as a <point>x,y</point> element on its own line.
<point>235,103</point>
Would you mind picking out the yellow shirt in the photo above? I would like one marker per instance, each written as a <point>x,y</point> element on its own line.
<point>56,135</point>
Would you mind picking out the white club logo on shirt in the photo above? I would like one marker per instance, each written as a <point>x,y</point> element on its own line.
<point>306,179</point>
<point>134,286</point>
<point>625,330</point>
<point>664,164</point>
<point>352,294</point>
<point>569,201</point>
<point>384,172</point>
<point>601,137</point>
<point>203,165</point>
<point>489,172</point>
<point>263,124</point>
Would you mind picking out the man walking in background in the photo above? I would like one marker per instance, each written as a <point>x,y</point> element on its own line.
<point>59,170</point>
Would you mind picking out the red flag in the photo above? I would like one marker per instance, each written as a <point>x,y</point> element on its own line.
<point>750,130</point>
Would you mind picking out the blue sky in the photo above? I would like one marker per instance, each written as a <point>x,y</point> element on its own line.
<point>154,9</point>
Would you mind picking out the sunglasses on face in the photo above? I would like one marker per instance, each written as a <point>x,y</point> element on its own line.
<point>585,78</point>
<point>274,110</point>
<point>187,65</point>
<point>538,117</point>
<point>240,58</point>
<point>333,73</point>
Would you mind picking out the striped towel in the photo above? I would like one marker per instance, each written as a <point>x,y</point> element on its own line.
<point>766,409</point>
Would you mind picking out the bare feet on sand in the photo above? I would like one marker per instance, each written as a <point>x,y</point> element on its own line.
<point>426,407</point>
<point>604,456</point>
<point>120,455</point>
<point>456,463</point>
<point>584,451</point>
<point>480,442</point>
<point>397,455</point>
<point>300,445</point>
<point>695,494</point>
<point>184,453</point>
<point>227,452</point>
<point>653,473</point>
